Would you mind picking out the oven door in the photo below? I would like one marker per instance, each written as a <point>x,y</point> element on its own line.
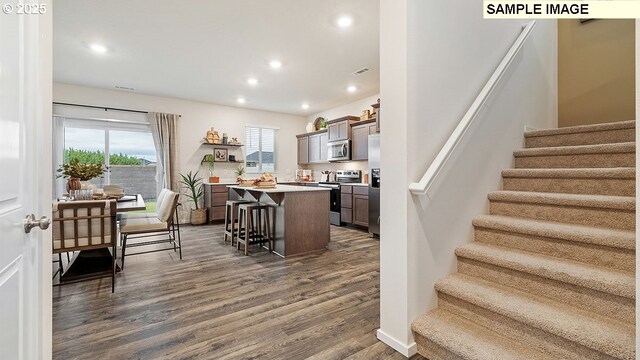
<point>334,202</point>
<point>339,150</point>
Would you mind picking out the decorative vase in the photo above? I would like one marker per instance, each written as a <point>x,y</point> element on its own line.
<point>214,179</point>
<point>73,184</point>
<point>198,216</point>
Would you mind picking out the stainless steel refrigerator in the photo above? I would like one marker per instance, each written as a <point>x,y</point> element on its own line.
<point>374,184</point>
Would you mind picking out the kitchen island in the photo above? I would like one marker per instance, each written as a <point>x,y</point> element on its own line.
<point>301,216</point>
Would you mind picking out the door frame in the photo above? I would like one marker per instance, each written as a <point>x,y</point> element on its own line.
<point>38,55</point>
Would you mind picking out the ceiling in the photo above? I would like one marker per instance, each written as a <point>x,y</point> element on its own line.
<point>207,50</point>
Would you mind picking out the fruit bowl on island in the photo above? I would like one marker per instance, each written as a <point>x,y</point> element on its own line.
<point>245,183</point>
<point>266,181</point>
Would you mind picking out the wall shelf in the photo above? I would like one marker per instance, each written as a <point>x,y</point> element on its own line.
<point>223,145</point>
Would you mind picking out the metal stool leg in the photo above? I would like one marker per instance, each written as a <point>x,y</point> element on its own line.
<point>124,249</point>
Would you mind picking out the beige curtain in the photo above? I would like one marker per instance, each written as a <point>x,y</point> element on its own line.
<point>164,129</point>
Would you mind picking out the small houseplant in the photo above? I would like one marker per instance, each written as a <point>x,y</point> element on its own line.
<point>195,191</point>
<point>240,171</point>
<point>75,172</point>
<point>210,160</point>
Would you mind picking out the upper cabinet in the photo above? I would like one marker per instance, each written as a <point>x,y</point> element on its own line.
<point>340,129</point>
<point>360,139</point>
<point>312,147</point>
<point>303,149</point>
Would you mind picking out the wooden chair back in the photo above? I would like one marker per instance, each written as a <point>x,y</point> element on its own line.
<point>84,225</point>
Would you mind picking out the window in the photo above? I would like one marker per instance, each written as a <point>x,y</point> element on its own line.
<point>127,149</point>
<point>260,145</point>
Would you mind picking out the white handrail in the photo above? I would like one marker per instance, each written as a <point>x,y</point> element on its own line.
<point>422,187</point>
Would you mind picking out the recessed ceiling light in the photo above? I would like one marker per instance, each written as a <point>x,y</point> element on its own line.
<point>252,81</point>
<point>305,106</point>
<point>241,100</point>
<point>352,88</point>
<point>98,48</point>
<point>276,64</point>
<point>344,21</point>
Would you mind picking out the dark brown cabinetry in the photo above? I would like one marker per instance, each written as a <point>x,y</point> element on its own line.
<point>215,200</point>
<point>312,147</point>
<point>303,149</point>
<point>354,204</point>
<point>340,129</point>
<point>361,205</point>
<point>360,139</point>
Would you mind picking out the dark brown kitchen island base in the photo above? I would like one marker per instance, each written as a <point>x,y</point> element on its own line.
<point>301,216</point>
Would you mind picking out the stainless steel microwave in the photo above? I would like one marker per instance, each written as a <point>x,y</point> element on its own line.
<point>339,150</point>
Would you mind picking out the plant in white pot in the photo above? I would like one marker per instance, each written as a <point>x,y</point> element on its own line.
<point>195,191</point>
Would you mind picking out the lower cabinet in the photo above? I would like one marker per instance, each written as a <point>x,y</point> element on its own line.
<point>361,210</point>
<point>215,200</point>
<point>355,205</point>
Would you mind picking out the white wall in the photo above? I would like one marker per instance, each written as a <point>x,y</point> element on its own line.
<point>426,88</point>
<point>353,108</point>
<point>197,118</point>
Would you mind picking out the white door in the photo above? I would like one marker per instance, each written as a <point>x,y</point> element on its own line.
<point>25,180</point>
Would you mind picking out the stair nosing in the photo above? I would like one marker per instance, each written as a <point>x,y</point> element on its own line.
<point>622,239</point>
<point>581,129</point>
<point>563,199</point>
<point>610,148</point>
<point>469,330</point>
<point>549,316</point>
<point>571,173</point>
<point>544,266</point>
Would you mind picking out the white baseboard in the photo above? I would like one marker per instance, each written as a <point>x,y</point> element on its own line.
<point>406,350</point>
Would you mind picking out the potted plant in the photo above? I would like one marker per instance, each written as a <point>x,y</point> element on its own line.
<point>240,171</point>
<point>75,172</point>
<point>194,187</point>
<point>210,160</point>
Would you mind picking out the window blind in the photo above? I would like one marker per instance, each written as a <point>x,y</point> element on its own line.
<point>260,148</point>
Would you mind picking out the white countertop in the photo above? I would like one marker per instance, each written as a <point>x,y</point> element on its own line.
<point>281,188</point>
<point>355,184</point>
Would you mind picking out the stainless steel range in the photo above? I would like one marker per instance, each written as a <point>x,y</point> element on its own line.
<point>342,177</point>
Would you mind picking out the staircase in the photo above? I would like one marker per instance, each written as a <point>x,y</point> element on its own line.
<point>551,272</point>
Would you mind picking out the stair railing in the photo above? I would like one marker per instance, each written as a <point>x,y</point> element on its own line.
<point>422,187</point>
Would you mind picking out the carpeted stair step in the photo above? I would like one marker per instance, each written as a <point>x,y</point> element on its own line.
<point>609,133</point>
<point>441,335</point>
<point>598,181</point>
<point>536,322</point>
<point>607,292</point>
<point>607,248</point>
<point>583,156</point>
<point>615,212</point>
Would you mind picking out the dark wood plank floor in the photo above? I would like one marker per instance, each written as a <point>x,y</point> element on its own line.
<point>219,304</point>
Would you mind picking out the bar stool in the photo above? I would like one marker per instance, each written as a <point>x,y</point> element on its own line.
<point>249,235</point>
<point>230,217</point>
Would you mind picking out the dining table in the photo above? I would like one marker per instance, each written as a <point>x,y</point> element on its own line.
<point>89,263</point>
<point>130,203</point>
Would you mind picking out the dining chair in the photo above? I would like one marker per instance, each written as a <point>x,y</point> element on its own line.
<point>134,215</point>
<point>85,225</point>
<point>164,223</point>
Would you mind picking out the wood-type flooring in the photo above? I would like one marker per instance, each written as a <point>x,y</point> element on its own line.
<point>219,304</point>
